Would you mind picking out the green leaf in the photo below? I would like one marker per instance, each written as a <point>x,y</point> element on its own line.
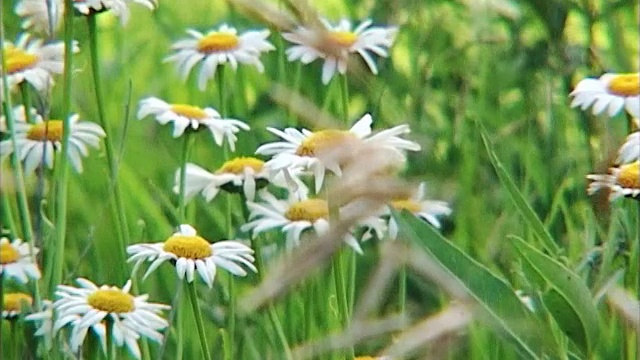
<point>569,300</point>
<point>499,306</point>
<point>520,202</point>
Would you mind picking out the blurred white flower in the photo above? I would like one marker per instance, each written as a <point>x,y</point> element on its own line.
<point>296,215</point>
<point>15,303</point>
<point>218,47</point>
<point>623,180</point>
<point>43,16</point>
<point>335,43</point>
<point>304,149</point>
<point>33,61</point>
<point>36,143</point>
<point>630,150</point>
<point>186,117</point>
<point>119,8</point>
<point>611,92</point>
<point>428,210</point>
<point>190,253</point>
<point>91,307</point>
<point>16,261</point>
<point>44,320</point>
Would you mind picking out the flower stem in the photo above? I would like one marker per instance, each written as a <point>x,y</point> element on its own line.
<point>402,289</point>
<point>344,87</point>
<point>117,204</point>
<point>193,297</point>
<point>62,165</point>
<point>182,208</point>
<point>273,315</point>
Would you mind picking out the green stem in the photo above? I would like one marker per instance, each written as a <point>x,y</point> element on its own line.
<point>402,289</point>
<point>62,171</point>
<point>180,310</point>
<point>273,315</point>
<point>193,297</point>
<point>344,87</point>
<point>182,212</point>
<point>7,215</point>
<point>118,205</point>
<point>222,96</point>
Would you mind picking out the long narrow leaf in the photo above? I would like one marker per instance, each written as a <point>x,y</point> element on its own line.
<point>517,197</point>
<point>499,305</point>
<point>569,300</point>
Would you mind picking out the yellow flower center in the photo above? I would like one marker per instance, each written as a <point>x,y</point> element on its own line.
<point>218,42</point>
<point>15,301</point>
<point>18,59</point>
<point>111,300</point>
<point>629,176</point>
<point>46,131</point>
<point>625,85</point>
<point>406,204</point>
<point>237,165</point>
<point>190,247</point>
<point>343,38</point>
<point>191,112</point>
<point>308,210</point>
<point>8,254</point>
<point>323,140</point>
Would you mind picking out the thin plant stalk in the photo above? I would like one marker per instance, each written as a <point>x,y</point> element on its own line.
<point>117,205</point>
<point>62,164</point>
<point>273,315</point>
<point>193,298</point>
<point>182,209</point>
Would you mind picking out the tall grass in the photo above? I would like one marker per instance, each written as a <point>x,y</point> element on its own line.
<point>484,86</point>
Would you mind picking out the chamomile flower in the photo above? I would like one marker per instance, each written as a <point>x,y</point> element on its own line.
<point>428,210</point>
<point>610,92</point>
<point>15,303</point>
<point>246,174</point>
<point>192,117</point>
<point>296,215</point>
<point>119,8</point>
<point>334,44</point>
<point>630,150</point>
<point>33,61</point>
<point>44,16</point>
<point>190,253</point>
<point>44,320</point>
<point>16,260</point>
<point>36,143</point>
<point>92,307</point>
<point>301,149</point>
<point>623,180</point>
<point>218,47</point>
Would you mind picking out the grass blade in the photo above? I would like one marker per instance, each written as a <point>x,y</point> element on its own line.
<point>499,306</point>
<point>569,300</point>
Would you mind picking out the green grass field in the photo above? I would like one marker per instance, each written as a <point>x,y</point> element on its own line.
<point>483,85</point>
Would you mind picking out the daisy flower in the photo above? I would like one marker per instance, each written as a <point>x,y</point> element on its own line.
<point>186,116</point>
<point>219,47</point>
<point>44,319</point>
<point>611,92</point>
<point>92,307</point>
<point>630,150</point>
<point>36,142</point>
<point>190,252</point>
<point>428,210</point>
<point>296,215</point>
<point>623,180</point>
<point>301,149</point>
<point>32,61</point>
<point>119,8</point>
<point>39,16</point>
<point>244,174</point>
<point>16,260</point>
<point>335,43</point>
<point>13,304</point>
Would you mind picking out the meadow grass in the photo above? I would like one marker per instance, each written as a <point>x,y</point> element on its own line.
<point>484,86</point>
